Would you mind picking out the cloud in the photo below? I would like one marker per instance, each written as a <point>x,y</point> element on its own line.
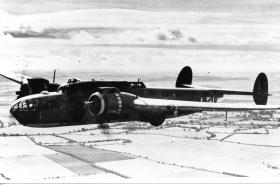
<point>132,36</point>
<point>273,37</point>
<point>82,37</point>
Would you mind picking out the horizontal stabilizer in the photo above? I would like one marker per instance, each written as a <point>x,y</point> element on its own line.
<point>218,90</point>
<point>259,93</point>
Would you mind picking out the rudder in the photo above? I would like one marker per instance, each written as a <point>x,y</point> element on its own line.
<point>260,90</point>
<point>184,77</point>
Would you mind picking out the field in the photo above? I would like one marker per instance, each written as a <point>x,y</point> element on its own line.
<point>165,152</point>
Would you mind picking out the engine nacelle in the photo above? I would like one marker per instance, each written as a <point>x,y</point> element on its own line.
<point>110,103</point>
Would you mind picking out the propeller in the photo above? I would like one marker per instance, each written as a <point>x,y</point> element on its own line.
<point>29,85</point>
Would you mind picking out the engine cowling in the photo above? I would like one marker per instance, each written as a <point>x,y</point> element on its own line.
<point>96,104</point>
<point>110,103</point>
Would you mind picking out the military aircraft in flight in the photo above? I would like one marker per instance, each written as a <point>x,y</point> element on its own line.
<point>76,102</point>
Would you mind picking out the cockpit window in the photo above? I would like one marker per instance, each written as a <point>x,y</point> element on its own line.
<point>23,105</point>
<point>15,107</point>
<point>36,104</point>
<point>137,85</point>
<point>73,80</point>
<point>30,104</point>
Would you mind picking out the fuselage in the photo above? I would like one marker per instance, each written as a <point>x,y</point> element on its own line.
<point>67,105</point>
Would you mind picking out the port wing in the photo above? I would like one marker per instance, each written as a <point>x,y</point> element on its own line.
<point>169,105</point>
<point>18,78</point>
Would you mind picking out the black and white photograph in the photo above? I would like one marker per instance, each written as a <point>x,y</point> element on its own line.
<point>139,91</point>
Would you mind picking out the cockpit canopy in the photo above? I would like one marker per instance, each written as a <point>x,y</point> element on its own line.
<point>73,80</point>
<point>75,85</point>
<point>34,104</point>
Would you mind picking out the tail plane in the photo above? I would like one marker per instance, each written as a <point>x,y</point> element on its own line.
<point>260,90</point>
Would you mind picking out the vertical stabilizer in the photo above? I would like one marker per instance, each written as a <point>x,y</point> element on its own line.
<point>184,77</point>
<point>260,91</point>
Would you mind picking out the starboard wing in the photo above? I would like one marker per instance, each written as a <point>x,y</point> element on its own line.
<point>164,104</point>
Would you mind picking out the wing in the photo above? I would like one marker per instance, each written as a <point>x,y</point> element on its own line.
<point>18,78</point>
<point>167,105</point>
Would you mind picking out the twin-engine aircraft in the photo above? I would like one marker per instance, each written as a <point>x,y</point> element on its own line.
<point>44,104</point>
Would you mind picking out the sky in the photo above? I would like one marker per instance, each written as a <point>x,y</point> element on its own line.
<point>39,6</point>
<point>140,36</point>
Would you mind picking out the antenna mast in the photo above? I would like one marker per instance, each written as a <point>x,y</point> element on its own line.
<point>54,72</point>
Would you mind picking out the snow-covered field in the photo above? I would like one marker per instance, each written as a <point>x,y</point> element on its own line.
<point>20,146</point>
<point>22,130</point>
<point>142,168</point>
<point>165,152</point>
<point>49,139</point>
<point>225,158</point>
<point>210,155</point>
<point>270,139</point>
<point>32,168</point>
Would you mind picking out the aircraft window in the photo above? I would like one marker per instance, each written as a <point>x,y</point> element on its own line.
<point>49,104</point>
<point>22,105</point>
<point>19,105</point>
<point>15,107</point>
<point>136,85</point>
<point>73,80</point>
<point>31,104</point>
<point>133,85</point>
<point>35,104</point>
